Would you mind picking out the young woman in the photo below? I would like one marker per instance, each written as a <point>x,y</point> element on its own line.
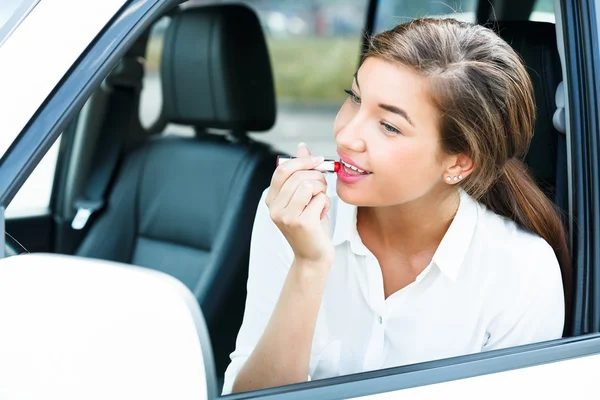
<point>432,241</point>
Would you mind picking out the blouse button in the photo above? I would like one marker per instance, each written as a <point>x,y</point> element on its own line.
<point>380,318</point>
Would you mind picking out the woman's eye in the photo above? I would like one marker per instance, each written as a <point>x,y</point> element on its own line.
<point>389,128</point>
<point>355,99</point>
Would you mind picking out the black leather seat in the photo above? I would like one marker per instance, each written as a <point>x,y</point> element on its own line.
<point>185,206</point>
<point>536,44</point>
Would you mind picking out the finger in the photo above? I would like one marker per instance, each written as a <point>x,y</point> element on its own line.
<point>302,196</point>
<point>290,186</point>
<point>302,150</point>
<point>287,169</point>
<point>327,206</point>
<point>282,198</point>
<point>315,207</point>
<point>284,201</point>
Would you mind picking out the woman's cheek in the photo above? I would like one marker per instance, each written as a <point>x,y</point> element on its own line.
<point>401,162</point>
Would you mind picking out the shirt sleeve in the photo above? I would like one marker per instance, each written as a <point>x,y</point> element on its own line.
<point>534,310</point>
<point>270,259</point>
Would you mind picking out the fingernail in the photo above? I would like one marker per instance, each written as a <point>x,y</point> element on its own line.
<point>301,144</point>
<point>318,160</point>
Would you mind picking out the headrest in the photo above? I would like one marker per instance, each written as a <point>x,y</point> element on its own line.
<point>216,71</point>
<point>560,119</point>
<point>536,44</point>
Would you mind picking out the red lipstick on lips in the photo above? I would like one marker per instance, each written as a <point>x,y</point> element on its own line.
<point>346,174</point>
<point>326,166</point>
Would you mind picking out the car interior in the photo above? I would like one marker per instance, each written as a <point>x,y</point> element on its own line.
<point>184,204</point>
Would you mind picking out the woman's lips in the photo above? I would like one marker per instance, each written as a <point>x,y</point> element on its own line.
<point>348,175</point>
<point>345,159</point>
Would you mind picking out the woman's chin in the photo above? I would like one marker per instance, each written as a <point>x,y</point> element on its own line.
<point>371,196</point>
<point>353,194</point>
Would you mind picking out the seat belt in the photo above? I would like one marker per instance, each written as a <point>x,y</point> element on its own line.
<point>121,108</point>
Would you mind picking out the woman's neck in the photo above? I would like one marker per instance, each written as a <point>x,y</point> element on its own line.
<point>410,228</point>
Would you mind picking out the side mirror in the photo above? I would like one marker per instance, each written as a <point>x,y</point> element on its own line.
<point>78,328</point>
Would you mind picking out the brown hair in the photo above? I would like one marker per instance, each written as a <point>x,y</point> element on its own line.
<point>484,93</point>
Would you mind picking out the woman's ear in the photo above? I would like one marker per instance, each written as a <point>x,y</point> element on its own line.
<point>459,167</point>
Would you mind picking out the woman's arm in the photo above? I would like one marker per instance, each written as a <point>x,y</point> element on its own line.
<point>290,256</point>
<point>282,354</point>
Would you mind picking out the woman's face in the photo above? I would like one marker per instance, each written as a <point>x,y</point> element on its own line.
<point>389,128</point>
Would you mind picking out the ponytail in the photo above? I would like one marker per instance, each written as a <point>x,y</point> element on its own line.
<point>517,196</point>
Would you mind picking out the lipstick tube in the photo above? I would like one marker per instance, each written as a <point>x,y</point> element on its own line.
<point>327,165</point>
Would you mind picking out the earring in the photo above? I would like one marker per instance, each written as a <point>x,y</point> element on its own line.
<point>454,178</point>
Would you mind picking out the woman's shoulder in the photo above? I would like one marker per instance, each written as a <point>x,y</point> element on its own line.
<point>516,250</point>
<point>524,289</point>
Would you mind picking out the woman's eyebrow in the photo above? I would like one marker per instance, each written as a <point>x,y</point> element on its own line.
<point>388,107</point>
<point>396,110</point>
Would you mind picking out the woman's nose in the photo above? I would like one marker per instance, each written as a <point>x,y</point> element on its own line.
<point>351,137</point>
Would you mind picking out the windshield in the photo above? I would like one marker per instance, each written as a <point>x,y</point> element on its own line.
<point>12,13</point>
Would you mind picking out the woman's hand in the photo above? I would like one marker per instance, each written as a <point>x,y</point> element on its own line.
<point>298,205</point>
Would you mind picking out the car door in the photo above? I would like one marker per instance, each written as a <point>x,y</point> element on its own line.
<point>556,367</point>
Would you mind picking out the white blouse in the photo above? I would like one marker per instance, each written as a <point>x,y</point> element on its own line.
<point>489,285</point>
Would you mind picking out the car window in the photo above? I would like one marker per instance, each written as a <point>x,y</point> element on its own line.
<point>393,12</point>
<point>543,11</point>
<point>314,48</point>
<point>151,95</point>
<point>33,198</point>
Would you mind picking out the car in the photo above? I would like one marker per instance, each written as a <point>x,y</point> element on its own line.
<point>115,152</point>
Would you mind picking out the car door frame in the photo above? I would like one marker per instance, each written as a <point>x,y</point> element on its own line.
<point>580,27</point>
<point>435,372</point>
<point>582,52</point>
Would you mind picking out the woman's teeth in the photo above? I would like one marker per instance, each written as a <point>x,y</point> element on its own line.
<point>353,168</point>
